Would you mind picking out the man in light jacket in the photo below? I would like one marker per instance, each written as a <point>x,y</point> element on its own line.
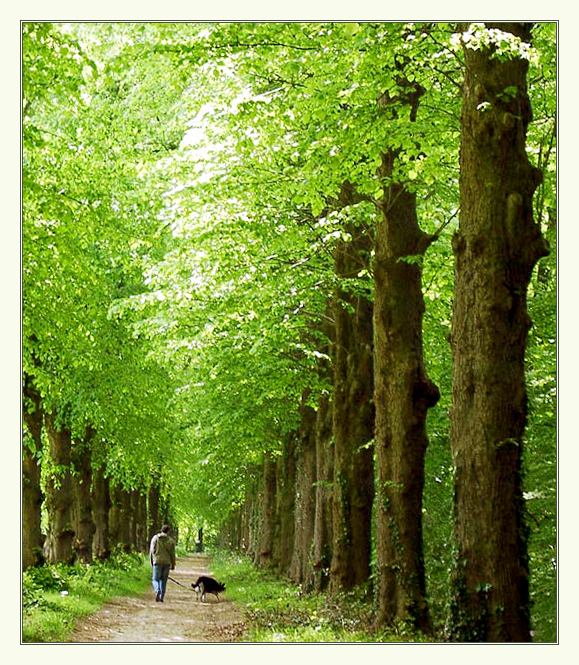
<point>162,554</point>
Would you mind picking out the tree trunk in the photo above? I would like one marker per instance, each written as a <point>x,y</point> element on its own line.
<point>32,539</point>
<point>199,545</point>
<point>235,538</point>
<point>267,512</point>
<point>125,520</point>
<point>59,495</point>
<point>248,517</point>
<point>254,520</point>
<point>84,526</point>
<point>101,502</point>
<point>235,531</point>
<point>154,520</point>
<point>496,248</point>
<point>402,395</point>
<point>135,497</point>
<point>115,516</point>
<point>285,521</point>
<point>353,419</point>
<point>141,522</point>
<point>304,506</point>
<point>322,549</point>
<point>245,519</point>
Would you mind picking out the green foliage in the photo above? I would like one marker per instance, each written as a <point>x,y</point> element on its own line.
<point>540,445</point>
<point>88,221</point>
<point>53,597</point>
<point>278,611</point>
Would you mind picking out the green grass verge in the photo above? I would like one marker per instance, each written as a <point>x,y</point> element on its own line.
<point>277,611</point>
<point>55,597</point>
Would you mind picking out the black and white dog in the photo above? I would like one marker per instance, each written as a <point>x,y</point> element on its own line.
<point>206,585</point>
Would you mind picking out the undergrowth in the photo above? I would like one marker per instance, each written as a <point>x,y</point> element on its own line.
<point>278,611</point>
<point>55,596</point>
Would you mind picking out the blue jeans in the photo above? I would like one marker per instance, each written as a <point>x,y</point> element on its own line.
<point>160,576</point>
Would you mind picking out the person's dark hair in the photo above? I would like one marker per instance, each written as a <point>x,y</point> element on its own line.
<point>165,528</point>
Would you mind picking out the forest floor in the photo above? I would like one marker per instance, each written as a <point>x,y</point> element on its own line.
<point>180,618</point>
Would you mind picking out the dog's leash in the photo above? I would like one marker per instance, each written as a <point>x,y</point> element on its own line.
<point>179,583</point>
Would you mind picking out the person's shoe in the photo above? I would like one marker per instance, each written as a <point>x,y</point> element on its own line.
<point>158,598</point>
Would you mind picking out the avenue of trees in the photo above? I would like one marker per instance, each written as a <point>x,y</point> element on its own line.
<point>295,282</point>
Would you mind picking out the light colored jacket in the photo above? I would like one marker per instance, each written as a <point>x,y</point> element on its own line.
<point>162,550</point>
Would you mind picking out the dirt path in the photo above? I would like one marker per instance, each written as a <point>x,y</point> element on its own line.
<point>180,618</point>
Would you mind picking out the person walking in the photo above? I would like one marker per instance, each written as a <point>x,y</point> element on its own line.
<point>162,555</point>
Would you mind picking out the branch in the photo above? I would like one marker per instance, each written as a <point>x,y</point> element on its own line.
<point>446,48</point>
<point>440,229</point>
<point>71,198</point>
<point>426,239</point>
<point>448,76</point>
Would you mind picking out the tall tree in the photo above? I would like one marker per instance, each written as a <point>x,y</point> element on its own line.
<point>322,546</point>
<point>285,504</point>
<point>267,511</point>
<point>31,488</point>
<point>304,504</point>
<point>84,525</point>
<point>59,498</point>
<point>353,414</point>
<point>101,505</point>
<point>496,248</point>
<point>403,392</point>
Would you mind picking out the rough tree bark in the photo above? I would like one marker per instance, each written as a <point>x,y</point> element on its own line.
<point>495,248</point>
<point>304,505</point>
<point>141,522</point>
<point>322,548</point>
<point>101,502</point>
<point>59,497</point>
<point>234,531</point>
<point>84,526</point>
<point>267,512</point>
<point>403,394</point>
<point>253,517</point>
<point>115,513</point>
<point>32,539</point>
<point>353,416</point>
<point>125,519</point>
<point>133,519</point>
<point>229,536</point>
<point>285,506</point>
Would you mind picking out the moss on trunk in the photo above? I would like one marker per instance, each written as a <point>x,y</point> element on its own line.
<point>32,539</point>
<point>84,526</point>
<point>59,496</point>
<point>496,247</point>
<point>353,416</point>
<point>403,394</point>
<point>101,503</point>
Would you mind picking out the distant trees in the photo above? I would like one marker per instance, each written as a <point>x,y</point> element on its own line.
<point>94,406</point>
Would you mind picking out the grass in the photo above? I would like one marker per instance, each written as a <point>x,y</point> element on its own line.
<point>277,611</point>
<point>55,597</point>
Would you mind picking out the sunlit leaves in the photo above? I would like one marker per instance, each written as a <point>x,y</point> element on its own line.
<point>181,191</point>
